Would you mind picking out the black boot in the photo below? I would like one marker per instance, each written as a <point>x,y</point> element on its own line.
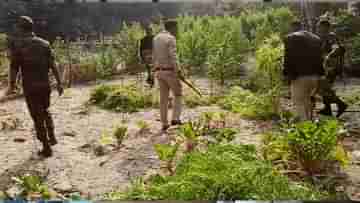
<point>176,122</point>
<point>46,152</point>
<point>342,106</point>
<point>326,111</point>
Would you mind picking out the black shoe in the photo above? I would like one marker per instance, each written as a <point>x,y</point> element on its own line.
<point>176,122</point>
<point>46,152</point>
<point>326,111</point>
<point>53,141</point>
<point>341,109</point>
<point>165,127</point>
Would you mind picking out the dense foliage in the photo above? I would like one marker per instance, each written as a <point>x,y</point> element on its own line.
<point>223,172</point>
<point>248,104</point>
<point>310,144</point>
<point>121,98</point>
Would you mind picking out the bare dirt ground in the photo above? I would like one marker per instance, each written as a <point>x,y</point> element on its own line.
<point>75,167</point>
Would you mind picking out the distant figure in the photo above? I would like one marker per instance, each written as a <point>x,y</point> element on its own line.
<point>33,57</point>
<point>146,48</point>
<point>333,52</point>
<point>303,68</point>
<point>166,70</point>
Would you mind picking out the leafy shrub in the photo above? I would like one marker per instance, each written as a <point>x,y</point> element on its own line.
<point>194,41</point>
<point>120,134</point>
<point>261,24</point>
<point>224,172</point>
<point>128,39</point>
<point>121,98</point>
<point>32,186</point>
<point>309,144</point>
<point>193,100</point>
<point>106,62</point>
<point>248,104</point>
<point>312,143</point>
<point>167,154</point>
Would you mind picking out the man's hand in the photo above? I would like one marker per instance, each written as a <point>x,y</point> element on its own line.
<point>60,89</point>
<point>150,80</point>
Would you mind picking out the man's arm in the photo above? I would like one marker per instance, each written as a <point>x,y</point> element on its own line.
<point>13,72</point>
<point>55,71</point>
<point>141,49</point>
<point>286,64</point>
<point>172,53</point>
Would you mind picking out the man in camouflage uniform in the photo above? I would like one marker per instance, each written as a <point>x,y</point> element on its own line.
<point>146,47</point>
<point>166,70</point>
<point>333,53</point>
<point>33,57</point>
<point>303,68</point>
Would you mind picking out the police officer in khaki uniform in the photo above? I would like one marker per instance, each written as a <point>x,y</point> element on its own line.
<point>34,58</point>
<point>166,71</point>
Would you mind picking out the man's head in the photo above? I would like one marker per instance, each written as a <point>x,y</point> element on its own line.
<point>171,26</point>
<point>296,26</point>
<point>324,27</point>
<point>24,24</point>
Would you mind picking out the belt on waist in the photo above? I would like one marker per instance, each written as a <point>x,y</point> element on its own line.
<point>165,69</point>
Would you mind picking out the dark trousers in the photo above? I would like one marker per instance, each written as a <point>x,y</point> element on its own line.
<point>38,104</point>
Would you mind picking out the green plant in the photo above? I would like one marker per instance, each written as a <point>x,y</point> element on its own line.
<point>120,134</point>
<point>248,104</point>
<point>206,118</point>
<point>106,138</point>
<point>223,134</point>
<point>355,50</point>
<point>106,62</point>
<point>223,172</point>
<point>126,99</point>
<point>128,39</point>
<point>167,153</point>
<point>275,148</point>
<point>142,125</point>
<point>32,185</point>
<point>312,143</point>
<point>192,100</point>
<point>227,52</point>
<point>191,131</point>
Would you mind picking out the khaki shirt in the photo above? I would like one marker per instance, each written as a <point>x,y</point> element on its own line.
<point>164,51</point>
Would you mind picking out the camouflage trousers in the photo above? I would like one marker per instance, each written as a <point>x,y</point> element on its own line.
<point>326,89</point>
<point>38,104</point>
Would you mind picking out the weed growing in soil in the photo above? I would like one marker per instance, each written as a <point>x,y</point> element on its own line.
<point>118,98</point>
<point>120,134</point>
<point>32,187</point>
<point>143,126</point>
<point>167,154</point>
<point>223,172</point>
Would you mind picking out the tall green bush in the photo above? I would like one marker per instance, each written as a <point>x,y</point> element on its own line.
<point>228,49</point>
<point>128,42</point>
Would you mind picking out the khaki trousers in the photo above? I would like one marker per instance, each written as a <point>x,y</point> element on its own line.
<point>168,80</point>
<point>301,90</point>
